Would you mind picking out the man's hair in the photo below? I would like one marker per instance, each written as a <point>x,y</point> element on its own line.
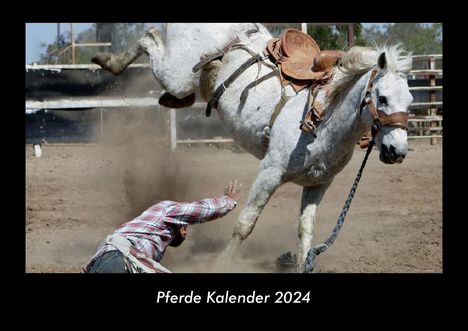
<point>177,240</point>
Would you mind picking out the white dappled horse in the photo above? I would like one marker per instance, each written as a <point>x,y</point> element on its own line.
<point>292,155</point>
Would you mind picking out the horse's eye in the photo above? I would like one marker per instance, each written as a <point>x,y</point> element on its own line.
<point>383,100</point>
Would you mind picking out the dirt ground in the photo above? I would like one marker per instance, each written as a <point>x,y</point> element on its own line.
<point>76,194</point>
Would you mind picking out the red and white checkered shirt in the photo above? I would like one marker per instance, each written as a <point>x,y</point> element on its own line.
<point>153,230</point>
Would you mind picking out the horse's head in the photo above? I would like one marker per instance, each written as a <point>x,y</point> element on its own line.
<point>390,97</point>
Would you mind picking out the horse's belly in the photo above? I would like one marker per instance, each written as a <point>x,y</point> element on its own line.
<point>321,171</point>
<point>307,181</point>
<point>312,178</point>
<point>251,143</point>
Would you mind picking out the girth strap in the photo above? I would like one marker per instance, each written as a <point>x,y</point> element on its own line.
<point>221,88</point>
<point>278,107</point>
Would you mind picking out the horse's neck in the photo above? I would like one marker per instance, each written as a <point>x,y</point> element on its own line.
<point>346,121</point>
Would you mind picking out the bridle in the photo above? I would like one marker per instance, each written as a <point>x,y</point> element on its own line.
<point>380,119</point>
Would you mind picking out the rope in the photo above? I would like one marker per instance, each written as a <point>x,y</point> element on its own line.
<point>314,251</point>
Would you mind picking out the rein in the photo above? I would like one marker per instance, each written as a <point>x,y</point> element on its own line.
<point>397,119</point>
<point>316,250</point>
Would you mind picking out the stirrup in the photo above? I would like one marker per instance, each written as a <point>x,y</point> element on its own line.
<point>170,101</point>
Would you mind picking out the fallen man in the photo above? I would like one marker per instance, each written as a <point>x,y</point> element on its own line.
<point>138,246</point>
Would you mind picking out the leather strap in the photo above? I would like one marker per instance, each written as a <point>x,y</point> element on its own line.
<point>216,55</point>
<point>252,31</point>
<point>315,113</point>
<point>367,101</point>
<point>398,119</point>
<point>278,107</point>
<point>221,88</point>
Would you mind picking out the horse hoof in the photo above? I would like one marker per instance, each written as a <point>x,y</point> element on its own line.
<point>170,101</point>
<point>101,58</point>
<point>107,62</point>
<point>286,263</point>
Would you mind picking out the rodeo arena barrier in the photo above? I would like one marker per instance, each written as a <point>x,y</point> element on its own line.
<point>54,95</point>
<point>68,91</point>
<point>425,113</point>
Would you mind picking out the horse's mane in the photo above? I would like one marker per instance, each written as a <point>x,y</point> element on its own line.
<point>359,60</point>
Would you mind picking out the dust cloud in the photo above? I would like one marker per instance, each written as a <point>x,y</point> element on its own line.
<point>148,172</point>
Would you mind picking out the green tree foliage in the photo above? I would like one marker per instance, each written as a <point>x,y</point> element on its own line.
<point>418,38</point>
<point>277,30</point>
<point>126,34</point>
<point>335,36</point>
<point>328,36</point>
<point>55,53</point>
<point>122,36</point>
<point>83,55</point>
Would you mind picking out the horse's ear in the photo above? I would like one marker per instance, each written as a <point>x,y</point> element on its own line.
<point>382,61</point>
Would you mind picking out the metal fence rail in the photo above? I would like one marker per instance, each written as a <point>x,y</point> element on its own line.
<point>425,119</point>
<point>98,102</point>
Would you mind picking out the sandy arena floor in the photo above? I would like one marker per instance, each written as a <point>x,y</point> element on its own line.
<point>76,194</point>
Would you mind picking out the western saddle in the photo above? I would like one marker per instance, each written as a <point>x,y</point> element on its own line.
<point>302,64</point>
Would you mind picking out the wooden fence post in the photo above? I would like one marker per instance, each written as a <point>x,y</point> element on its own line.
<point>173,130</point>
<point>101,124</point>
<point>433,98</point>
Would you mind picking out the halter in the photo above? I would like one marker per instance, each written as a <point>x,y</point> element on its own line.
<point>397,119</point>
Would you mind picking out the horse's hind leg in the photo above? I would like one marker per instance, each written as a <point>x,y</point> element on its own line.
<point>311,197</point>
<point>267,181</point>
<point>117,63</point>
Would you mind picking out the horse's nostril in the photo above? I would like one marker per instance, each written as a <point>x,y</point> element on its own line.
<point>393,151</point>
<point>387,151</point>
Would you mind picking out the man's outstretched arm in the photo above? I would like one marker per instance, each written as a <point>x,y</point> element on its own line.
<point>183,213</point>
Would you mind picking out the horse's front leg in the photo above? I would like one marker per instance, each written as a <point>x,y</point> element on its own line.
<point>117,63</point>
<point>311,197</point>
<point>266,183</point>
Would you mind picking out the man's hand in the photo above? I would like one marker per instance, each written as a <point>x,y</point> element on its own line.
<point>232,190</point>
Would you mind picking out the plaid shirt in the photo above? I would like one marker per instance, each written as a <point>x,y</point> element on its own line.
<point>153,230</point>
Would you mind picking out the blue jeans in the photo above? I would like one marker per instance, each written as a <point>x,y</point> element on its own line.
<point>109,262</point>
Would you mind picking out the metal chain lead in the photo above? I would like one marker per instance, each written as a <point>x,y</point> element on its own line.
<point>316,250</point>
